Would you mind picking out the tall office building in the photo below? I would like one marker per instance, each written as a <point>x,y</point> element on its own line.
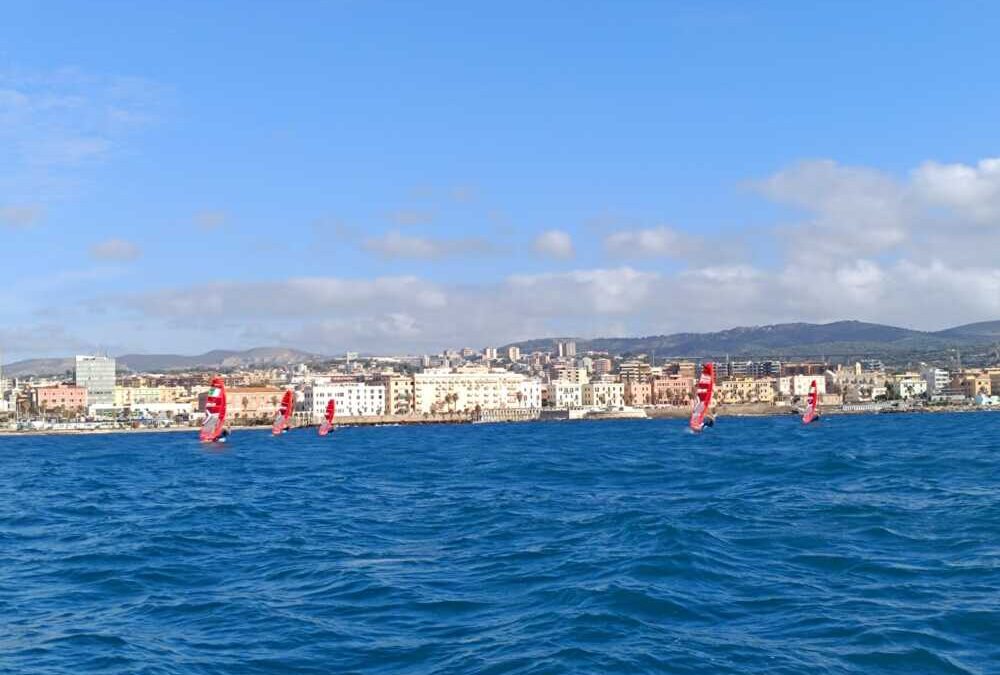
<point>97,375</point>
<point>566,349</point>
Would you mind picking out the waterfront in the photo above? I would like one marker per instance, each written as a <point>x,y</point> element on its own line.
<point>862,544</point>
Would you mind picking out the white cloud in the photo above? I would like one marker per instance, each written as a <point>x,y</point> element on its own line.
<point>854,210</point>
<point>395,244</point>
<point>972,191</point>
<point>116,250</point>
<point>659,241</point>
<point>555,244</point>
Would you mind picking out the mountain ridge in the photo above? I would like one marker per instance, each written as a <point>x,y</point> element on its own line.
<point>838,339</point>
<point>216,358</point>
<point>798,339</point>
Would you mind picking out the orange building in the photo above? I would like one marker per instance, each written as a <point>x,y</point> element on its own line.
<point>638,394</point>
<point>63,396</point>
<point>672,390</point>
<point>249,402</point>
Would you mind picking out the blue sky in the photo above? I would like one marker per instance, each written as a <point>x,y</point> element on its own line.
<point>396,177</point>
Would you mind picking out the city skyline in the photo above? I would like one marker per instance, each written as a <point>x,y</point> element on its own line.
<point>412,178</point>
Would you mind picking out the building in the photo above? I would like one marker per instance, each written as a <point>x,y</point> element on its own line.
<point>793,386</point>
<point>937,380</point>
<point>672,390</point>
<point>96,374</point>
<point>972,384</point>
<point>858,385</point>
<point>513,353</point>
<point>249,403</point>
<point>735,390</point>
<point>792,369</point>
<point>473,388</point>
<point>66,397</point>
<point>634,369</point>
<point>602,367</point>
<point>354,399</point>
<point>398,393</point>
<point>490,354</point>
<point>638,393</point>
<point>563,394</point>
<point>566,349</point>
<point>131,396</point>
<point>567,374</point>
<point>604,394</point>
<point>909,386</point>
<point>765,389</point>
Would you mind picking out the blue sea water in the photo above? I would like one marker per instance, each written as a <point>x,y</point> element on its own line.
<point>858,545</point>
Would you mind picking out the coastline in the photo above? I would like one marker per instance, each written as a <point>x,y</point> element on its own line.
<point>651,413</point>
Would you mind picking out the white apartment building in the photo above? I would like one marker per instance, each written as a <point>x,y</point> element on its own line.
<point>466,389</point>
<point>564,394</point>
<point>910,386</point>
<point>937,379</point>
<point>798,385</point>
<point>603,394</point>
<point>354,399</point>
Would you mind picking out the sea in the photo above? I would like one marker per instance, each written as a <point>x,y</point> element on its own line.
<point>861,544</point>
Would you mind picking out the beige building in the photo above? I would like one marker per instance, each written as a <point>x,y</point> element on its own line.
<point>473,388</point>
<point>249,403</point>
<point>604,394</point>
<point>972,383</point>
<point>399,396</point>
<point>672,390</point>
<point>129,396</point>
<point>638,393</point>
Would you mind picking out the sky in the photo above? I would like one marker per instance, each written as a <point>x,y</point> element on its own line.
<point>399,177</point>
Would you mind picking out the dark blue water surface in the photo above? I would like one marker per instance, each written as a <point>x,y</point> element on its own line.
<point>859,545</point>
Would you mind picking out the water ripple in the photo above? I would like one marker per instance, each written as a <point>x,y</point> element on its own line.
<point>860,545</point>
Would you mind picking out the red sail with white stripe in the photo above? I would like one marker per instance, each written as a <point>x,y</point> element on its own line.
<point>706,387</point>
<point>811,402</point>
<point>331,411</point>
<point>215,412</point>
<point>284,417</point>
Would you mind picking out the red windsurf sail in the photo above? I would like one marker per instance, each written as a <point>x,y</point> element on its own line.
<point>706,386</point>
<point>811,401</point>
<point>284,417</point>
<point>331,411</point>
<point>215,409</point>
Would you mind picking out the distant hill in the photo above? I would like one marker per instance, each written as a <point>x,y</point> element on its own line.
<point>838,339</point>
<point>989,330</point>
<point>151,363</point>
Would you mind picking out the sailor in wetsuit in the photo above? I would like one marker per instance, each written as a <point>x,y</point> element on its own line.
<point>224,436</point>
<point>709,421</point>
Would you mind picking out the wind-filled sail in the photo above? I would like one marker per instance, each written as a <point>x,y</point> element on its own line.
<point>706,386</point>
<point>811,402</point>
<point>284,417</point>
<point>215,412</point>
<point>331,411</point>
